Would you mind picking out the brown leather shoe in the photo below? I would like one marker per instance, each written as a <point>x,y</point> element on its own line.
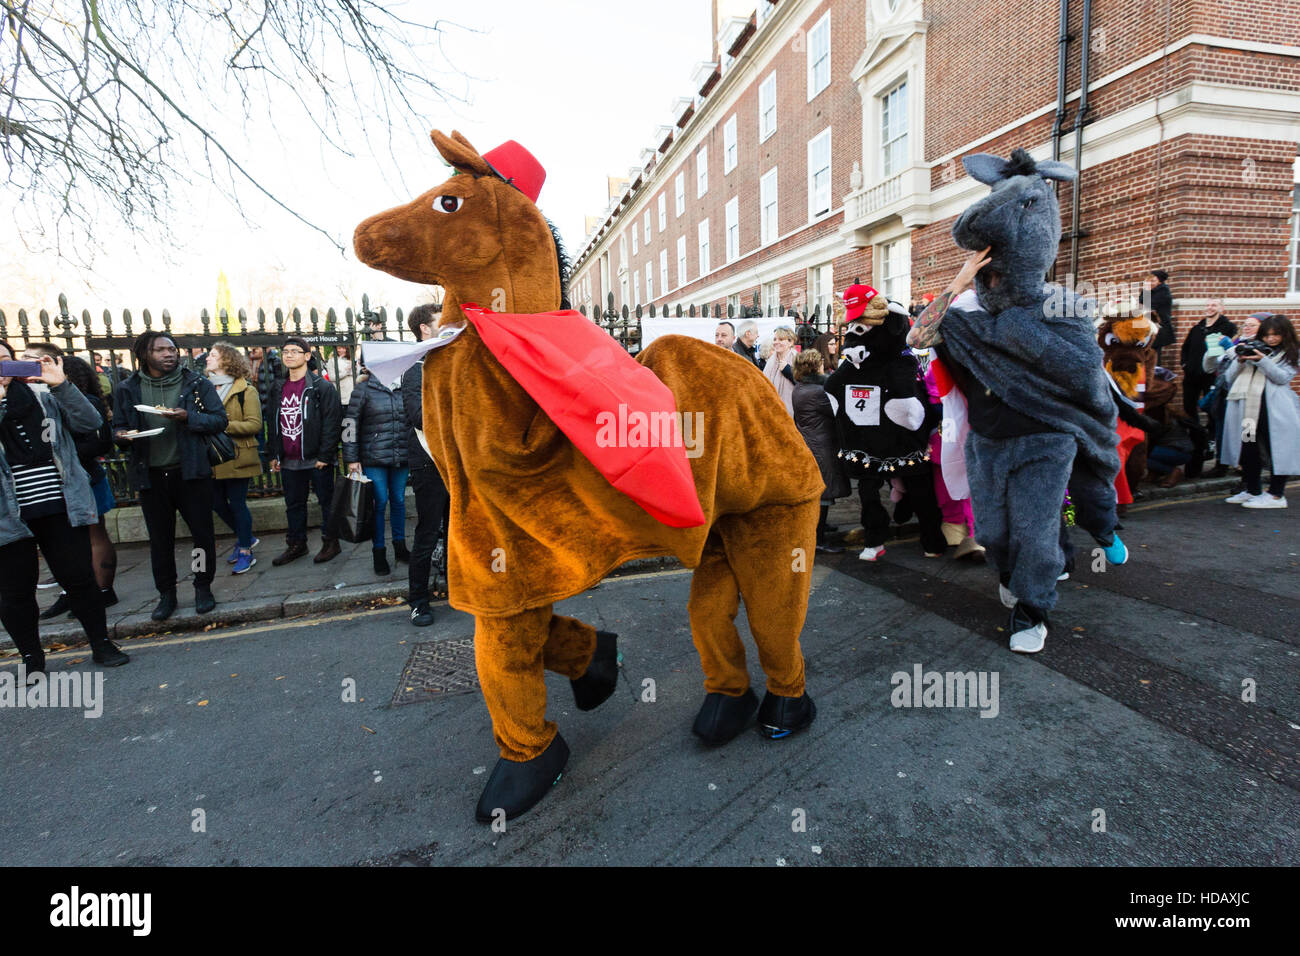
<point>293,552</point>
<point>1173,478</point>
<point>329,549</point>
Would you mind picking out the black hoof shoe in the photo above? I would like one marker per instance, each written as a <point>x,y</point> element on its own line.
<point>723,717</point>
<point>601,679</point>
<point>782,716</point>
<point>515,787</point>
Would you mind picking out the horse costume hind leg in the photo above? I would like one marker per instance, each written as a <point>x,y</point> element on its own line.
<point>535,520</point>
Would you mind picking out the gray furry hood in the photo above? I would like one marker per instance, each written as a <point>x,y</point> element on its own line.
<point>1019,220</point>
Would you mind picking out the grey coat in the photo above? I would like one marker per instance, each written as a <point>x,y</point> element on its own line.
<point>1283,416</point>
<point>70,411</point>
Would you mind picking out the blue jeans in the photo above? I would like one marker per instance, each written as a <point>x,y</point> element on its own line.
<point>229,501</point>
<point>390,486</point>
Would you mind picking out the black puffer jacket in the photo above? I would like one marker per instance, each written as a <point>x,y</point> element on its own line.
<point>380,427</point>
<point>815,419</point>
<point>413,404</point>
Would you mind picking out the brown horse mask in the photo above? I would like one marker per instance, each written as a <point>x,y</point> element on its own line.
<point>476,235</point>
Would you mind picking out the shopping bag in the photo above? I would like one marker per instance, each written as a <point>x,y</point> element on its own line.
<point>352,512</point>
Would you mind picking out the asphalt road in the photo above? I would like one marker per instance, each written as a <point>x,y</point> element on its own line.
<point>1134,711</point>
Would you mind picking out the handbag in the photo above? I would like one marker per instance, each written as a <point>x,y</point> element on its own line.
<point>221,447</point>
<point>352,510</point>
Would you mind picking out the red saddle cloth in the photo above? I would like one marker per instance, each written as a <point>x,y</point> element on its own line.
<point>615,411</point>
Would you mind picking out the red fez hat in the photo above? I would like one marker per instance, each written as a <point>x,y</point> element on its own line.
<point>518,167</point>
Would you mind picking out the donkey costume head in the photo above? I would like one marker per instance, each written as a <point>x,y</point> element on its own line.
<point>479,235</point>
<point>1020,220</point>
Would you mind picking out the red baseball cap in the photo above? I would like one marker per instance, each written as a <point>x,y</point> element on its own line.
<point>518,167</point>
<point>856,298</point>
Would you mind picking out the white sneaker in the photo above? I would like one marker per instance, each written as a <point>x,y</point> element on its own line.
<point>1006,597</point>
<point>1264,501</point>
<point>1029,641</point>
<point>1239,497</point>
<point>1063,576</point>
<point>871,554</point>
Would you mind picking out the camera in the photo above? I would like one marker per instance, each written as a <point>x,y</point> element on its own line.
<point>1253,345</point>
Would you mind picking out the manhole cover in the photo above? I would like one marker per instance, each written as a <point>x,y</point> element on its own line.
<point>437,669</point>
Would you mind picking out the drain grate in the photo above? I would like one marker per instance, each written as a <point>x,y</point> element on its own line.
<point>437,669</point>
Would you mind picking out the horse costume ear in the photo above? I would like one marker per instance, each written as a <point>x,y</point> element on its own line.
<point>1051,169</point>
<point>985,167</point>
<point>459,154</point>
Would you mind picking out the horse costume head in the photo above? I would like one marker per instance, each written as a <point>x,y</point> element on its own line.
<point>1019,220</point>
<point>479,235</point>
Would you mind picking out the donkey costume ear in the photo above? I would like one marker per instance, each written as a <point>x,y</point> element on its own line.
<point>459,154</point>
<point>1051,169</point>
<point>985,167</point>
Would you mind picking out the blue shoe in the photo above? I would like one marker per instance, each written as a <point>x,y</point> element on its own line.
<point>243,560</point>
<point>1115,552</point>
<point>234,555</point>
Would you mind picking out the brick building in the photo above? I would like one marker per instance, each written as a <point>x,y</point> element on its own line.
<point>823,145</point>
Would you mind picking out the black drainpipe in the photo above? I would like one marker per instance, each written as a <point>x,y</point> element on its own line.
<point>1080,117</point>
<point>1058,126</point>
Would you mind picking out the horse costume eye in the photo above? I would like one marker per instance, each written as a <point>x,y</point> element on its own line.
<point>447,203</point>
<point>1029,203</point>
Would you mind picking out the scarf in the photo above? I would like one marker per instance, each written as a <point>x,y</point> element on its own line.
<point>784,387</point>
<point>1249,386</point>
<point>155,391</point>
<point>222,382</point>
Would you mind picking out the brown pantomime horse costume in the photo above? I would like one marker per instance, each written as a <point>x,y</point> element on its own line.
<point>532,520</point>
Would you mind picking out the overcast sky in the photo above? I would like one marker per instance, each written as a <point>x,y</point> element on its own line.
<point>583,84</point>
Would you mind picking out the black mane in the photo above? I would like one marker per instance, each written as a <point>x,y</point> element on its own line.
<point>1020,164</point>
<point>562,259</point>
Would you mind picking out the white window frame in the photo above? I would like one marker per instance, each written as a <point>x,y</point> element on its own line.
<point>893,152</point>
<point>816,85</point>
<point>636,289</point>
<point>767,107</point>
<point>730,146</point>
<point>732,233</point>
<point>645,228</point>
<point>1293,269</point>
<point>622,253</point>
<point>635,246</point>
<point>894,279</point>
<point>649,281</point>
<point>701,171</point>
<point>702,246</point>
<point>815,208</point>
<point>821,288</point>
<point>732,310</point>
<point>770,298</point>
<point>663,271</point>
<point>681,261</point>
<point>769,209</point>
<point>679,189</point>
<point>663,211</point>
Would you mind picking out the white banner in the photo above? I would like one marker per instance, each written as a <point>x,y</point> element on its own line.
<point>387,361</point>
<point>702,329</point>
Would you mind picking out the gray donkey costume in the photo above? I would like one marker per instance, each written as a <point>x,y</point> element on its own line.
<point>1042,418</point>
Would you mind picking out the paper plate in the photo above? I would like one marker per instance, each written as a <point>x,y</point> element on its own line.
<point>147,433</point>
<point>148,409</point>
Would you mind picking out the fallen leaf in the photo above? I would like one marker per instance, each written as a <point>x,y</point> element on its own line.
<point>58,647</point>
<point>281,677</point>
<point>77,660</point>
<point>1078,629</point>
<point>162,686</point>
<point>203,703</point>
<point>366,729</point>
<point>234,675</point>
<point>1143,681</point>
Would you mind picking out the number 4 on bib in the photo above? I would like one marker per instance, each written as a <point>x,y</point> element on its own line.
<point>862,404</point>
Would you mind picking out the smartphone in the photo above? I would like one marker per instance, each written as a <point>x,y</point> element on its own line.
<point>16,369</point>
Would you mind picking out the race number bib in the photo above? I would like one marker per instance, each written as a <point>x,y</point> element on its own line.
<point>862,404</point>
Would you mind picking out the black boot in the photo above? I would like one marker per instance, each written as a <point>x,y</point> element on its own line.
<point>723,717</point>
<point>400,552</point>
<point>381,562</point>
<point>109,596</point>
<point>108,654</point>
<point>515,786</point>
<point>782,716</point>
<point>204,602</point>
<point>62,605</point>
<point>34,662</point>
<point>166,605</point>
<point>595,686</point>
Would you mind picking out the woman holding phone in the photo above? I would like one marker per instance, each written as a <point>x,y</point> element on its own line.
<point>1263,413</point>
<point>46,501</point>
